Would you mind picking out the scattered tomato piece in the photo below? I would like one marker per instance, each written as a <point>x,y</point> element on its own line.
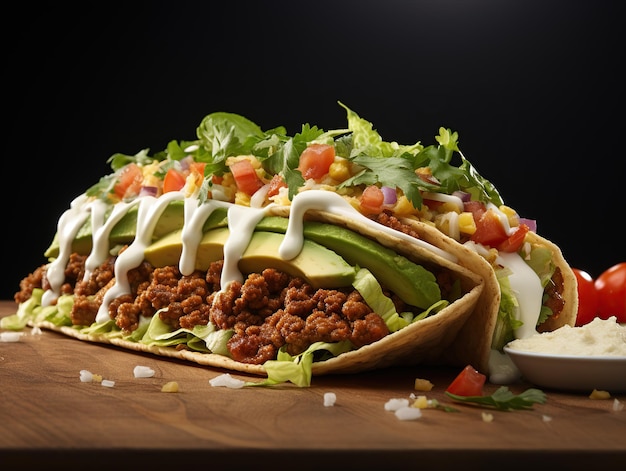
<point>469,382</point>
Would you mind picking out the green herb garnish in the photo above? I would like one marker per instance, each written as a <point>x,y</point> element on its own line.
<point>503,399</point>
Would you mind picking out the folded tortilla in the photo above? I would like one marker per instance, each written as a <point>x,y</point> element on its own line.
<point>432,340</point>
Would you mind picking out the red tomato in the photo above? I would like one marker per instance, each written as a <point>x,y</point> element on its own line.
<point>611,288</point>
<point>372,200</point>
<point>173,181</point>
<point>489,229</point>
<point>245,176</point>
<point>469,382</point>
<point>587,297</point>
<point>315,160</point>
<point>515,240</point>
<point>276,184</point>
<point>129,182</point>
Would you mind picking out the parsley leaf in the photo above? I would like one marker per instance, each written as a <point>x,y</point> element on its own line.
<point>503,399</point>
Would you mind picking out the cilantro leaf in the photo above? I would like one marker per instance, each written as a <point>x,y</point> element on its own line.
<point>503,399</point>
<point>390,171</point>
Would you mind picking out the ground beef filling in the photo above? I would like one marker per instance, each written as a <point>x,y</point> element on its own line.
<point>267,311</point>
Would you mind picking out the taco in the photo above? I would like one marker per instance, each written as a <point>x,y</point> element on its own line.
<point>291,256</point>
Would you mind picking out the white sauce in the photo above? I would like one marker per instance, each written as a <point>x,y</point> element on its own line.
<point>528,290</point>
<point>600,337</point>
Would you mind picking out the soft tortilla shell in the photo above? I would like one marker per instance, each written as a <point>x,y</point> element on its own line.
<point>434,340</point>
<point>481,325</point>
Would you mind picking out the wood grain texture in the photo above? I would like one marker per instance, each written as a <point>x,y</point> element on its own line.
<point>47,413</point>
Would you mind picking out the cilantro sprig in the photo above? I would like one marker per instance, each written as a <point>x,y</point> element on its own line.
<point>504,399</point>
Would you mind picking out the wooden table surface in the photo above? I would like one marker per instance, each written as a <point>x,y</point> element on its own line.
<point>48,415</point>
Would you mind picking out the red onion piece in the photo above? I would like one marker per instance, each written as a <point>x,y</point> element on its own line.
<point>531,223</point>
<point>390,196</point>
<point>463,195</point>
<point>148,191</point>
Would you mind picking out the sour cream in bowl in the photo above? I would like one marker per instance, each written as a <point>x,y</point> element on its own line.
<point>592,356</point>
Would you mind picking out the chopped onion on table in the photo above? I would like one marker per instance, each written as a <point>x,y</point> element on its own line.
<point>329,399</point>
<point>227,381</point>
<point>143,372</point>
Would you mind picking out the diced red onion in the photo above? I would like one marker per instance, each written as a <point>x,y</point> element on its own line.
<point>463,195</point>
<point>531,223</point>
<point>390,196</point>
<point>184,163</point>
<point>148,191</point>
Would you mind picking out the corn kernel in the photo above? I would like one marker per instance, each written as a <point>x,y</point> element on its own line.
<point>466,223</point>
<point>170,387</point>
<point>403,207</point>
<point>423,384</point>
<point>511,215</point>
<point>448,207</point>
<point>421,402</point>
<point>339,170</point>
<point>242,198</point>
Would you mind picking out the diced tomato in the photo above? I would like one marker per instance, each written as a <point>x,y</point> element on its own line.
<point>372,200</point>
<point>433,205</point>
<point>276,184</point>
<point>245,176</point>
<point>198,167</point>
<point>129,183</point>
<point>477,208</point>
<point>515,240</point>
<point>489,230</point>
<point>315,160</point>
<point>469,382</point>
<point>173,181</point>
<point>217,179</point>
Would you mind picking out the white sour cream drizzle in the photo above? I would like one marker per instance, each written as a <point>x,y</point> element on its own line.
<point>334,203</point>
<point>148,214</point>
<point>526,285</point>
<point>68,226</point>
<point>242,221</point>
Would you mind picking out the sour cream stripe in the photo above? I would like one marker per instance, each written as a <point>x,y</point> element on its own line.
<point>68,226</point>
<point>148,214</point>
<point>334,203</point>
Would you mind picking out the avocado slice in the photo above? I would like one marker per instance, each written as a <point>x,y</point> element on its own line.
<point>125,230</point>
<point>318,265</point>
<point>413,283</point>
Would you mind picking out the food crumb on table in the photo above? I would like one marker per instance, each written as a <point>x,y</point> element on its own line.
<point>329,399</point>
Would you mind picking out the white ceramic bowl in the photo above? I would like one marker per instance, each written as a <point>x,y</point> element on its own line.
<point>571,373</point>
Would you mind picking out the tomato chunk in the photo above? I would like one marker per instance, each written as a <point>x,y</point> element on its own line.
<point>173,181</point>
<point>245,176</point>
<point>372,200</point>
<point>129,183</point>
<point>469,382</point>
<point>489,230</point>
<point>515,241</point>
<point>315,160</point>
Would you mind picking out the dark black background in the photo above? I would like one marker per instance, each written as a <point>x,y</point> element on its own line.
<point>534,89</point>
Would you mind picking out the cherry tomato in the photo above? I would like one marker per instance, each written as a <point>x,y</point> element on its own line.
<point>587,297</point>
<point>611,288</point>
<point>469,382</point>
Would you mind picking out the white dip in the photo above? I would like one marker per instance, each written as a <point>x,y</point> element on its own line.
<point>598,338</point>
